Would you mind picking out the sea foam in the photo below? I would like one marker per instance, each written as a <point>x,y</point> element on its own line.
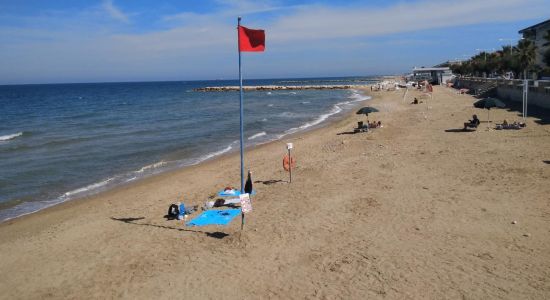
<point>257,135</point>
<point>336,108</point>
<point>10,136</point>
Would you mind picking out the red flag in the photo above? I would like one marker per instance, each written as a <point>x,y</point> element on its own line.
<point>251,40</point>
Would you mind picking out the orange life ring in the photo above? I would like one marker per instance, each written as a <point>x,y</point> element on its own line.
<point>288,162</point>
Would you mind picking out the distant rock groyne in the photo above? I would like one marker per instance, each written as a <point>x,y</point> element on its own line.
<point>277,87</point>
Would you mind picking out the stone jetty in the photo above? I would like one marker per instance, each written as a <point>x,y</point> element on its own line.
<point>276,88</point>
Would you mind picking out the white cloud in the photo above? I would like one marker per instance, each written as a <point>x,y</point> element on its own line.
<point>248,7</point>
<point>206,43</point>
<point>115,12</point>
<point>321,22</point>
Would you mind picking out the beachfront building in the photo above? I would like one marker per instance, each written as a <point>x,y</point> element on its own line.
<point>434,75</point>
<point>536,33</point>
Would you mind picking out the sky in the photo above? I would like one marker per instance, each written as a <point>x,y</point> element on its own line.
<point>137,40</point>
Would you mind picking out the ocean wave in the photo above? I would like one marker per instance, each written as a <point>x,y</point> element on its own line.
<point>257,135</point>
<point>152,166</point>
<point>336,108</point>
<point>88,188</point>
<point>357,96</point>
<point>26,208</point>
<point>10,136</point>
<point>214,154</point>
<point>288,114</point>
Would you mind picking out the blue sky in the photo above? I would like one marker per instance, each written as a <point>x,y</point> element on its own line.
<point>138,40</point>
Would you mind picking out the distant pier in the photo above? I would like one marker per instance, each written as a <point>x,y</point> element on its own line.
<point>278,87</point>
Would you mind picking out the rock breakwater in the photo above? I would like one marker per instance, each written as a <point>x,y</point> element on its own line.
<point>277,87</point>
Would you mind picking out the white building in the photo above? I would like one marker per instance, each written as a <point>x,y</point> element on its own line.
<point>433,75</point>
<point>536,34</point>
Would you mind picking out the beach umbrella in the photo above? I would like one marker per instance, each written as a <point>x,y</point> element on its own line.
<point>366,111</point>
<point>489,103</point>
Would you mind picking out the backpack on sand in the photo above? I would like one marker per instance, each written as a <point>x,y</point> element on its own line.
<point>173,211</point>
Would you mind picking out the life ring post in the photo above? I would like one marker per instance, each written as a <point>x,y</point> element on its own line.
<point>290,167</point>
<point>289,146</point>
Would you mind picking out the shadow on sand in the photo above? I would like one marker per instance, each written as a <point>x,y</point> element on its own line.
<point>269,182</point>
<point>546,162</point>
<point>347,132</point>
<point>459,130</point>
<point>133,221</point>
<point>542,114</point>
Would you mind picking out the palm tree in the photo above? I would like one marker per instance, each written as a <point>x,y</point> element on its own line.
<point>506,50</point>
<point>526,55</point>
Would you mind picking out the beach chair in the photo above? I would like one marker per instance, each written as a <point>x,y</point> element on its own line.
<point>472,125</point>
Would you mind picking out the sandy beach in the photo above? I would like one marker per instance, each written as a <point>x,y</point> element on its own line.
<point>417,209</point>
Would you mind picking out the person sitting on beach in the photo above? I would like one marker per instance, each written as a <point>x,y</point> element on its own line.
<point>472,123</point>
<point>504,122</point>
<point>415,101</point>
<point>375,124</point>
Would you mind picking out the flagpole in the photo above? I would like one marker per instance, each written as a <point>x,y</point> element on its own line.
<point>241,113</point>
<point>241,110</point>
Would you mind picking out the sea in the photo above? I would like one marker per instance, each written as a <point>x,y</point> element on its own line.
<point>64,141</point>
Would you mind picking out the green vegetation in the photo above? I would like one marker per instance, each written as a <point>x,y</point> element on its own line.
<point>519,59</point>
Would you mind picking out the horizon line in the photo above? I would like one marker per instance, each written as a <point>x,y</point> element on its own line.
<point>195,80</point>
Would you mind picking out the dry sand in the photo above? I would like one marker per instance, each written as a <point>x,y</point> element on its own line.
<point>408,211</point>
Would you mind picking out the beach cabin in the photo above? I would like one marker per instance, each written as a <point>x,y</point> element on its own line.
<point>433,75</point>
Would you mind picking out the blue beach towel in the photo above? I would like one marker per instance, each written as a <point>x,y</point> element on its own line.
<point>235,193</point>
<point>215,217</point>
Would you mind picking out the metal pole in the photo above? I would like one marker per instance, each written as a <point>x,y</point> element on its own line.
<point>523,102</point>
<point>525,96</point>
<point>241,110</point>
<point>290,165</point>
<point>526,100</point>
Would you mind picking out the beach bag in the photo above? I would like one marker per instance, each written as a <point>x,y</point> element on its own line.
<point>173,211</point>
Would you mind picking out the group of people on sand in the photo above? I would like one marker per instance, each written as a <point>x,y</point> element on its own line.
<point>374,124</point>
<point>384,86</point>
<point>513,125</point>
<point>474,123</point>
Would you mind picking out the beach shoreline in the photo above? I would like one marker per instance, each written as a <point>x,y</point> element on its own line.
<point>158,177</point>
<point>111,181</point>
<point>415,209</point>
